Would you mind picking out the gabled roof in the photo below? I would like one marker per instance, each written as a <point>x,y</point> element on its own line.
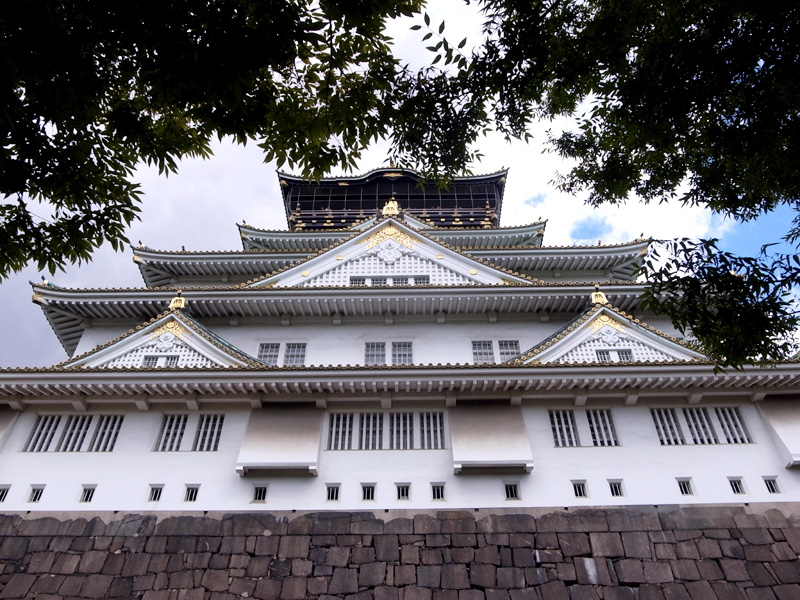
<point>388,248</point>
<point>604,334</point>
<point>172,333</point>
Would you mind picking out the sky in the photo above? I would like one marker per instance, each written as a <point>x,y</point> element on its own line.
<point>200,206</point>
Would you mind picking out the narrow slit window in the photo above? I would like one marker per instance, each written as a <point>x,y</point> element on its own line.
<point>565,432</point>
<point>601,427</point>
<point>155,493</point>
<point>772,485</point>
<point>685,487</point>
<point>370,434</point>
<point>340,431</point>
<point>4,493</point>
<point>615,487</point>
<point>437,491</point>
<point>737,485</point>
<point>36,493</point>
<point>260,493</point>
<point>603,355</point>
<point>401,426</point>
<point>209,430</point>
<point>87,494</point>
<point>333,493</point>
<point>512,491</point>
<point>368,491</point>
<point>431,430</point>
<point>191,493</point>
<point>666,424</point>
<point>579,489</point>
<point>171,434</point>
<point>403,491</point>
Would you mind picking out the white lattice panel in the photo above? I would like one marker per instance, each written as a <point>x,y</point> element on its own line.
<point>409,264</point>
<point>187,357</point>
<point>587,351</point>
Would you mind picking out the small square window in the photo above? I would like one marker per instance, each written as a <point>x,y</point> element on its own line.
<point>268,353</point>
<point>87,493</point>
<point>437,491</point>
<point>155,493</point>
<point>737,486</point>
<point>4,493</point>
<point>482,351</point>
<point>191,493</point>
<point>603,355</point>
<point>579,488</point>
<point>333,492</point>
<point>685,487</point>
<point>512,491</point>
<point>403,491</point>
<point>171,361</point>
<point>368,491</point>
<point>508,349</point>
<point>150,362</point>
<point>616,488</point>
<point>374,353</point>
<point>625,355</point>
<point>295,355</point>
<point>260,493</point>
<point>772,485</point>
<point>36,493</point>
<point>402,353</point>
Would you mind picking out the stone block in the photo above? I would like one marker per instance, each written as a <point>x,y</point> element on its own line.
<point>583,592</point>
<point>300,567</point>
<point>13,548</point>
<point>180,544</point>
<point>708,548</point>
<point>524,594</point>
<point>731,549</point>
<point>191,594</point>
<point>437,540</point>
<point>483,575</point>
<point>432,556</point>
<point>387,548</point>
<point>135,564</point>
<point>42,562</point>
<point>685,569</point>
<point>372,574</point>
<point>495,539</point>
<point>574,544</point>
<point>455,577</point>
<point>413,592</point>
<point>317,585</point>
<point>405,575</point>
<point>215,580</point>
<point>709,569</point>
<point>425,524</point>
<point>344,581</point>
<point>267,589</point>
<point>506,558</point>
<point>629,570</point>
<point>760,594</point>
<point>758,553</point>
<point>66,564</point>
<point>362,555</point>
<point>522,540</point>
<point>18,586</point>
<point>757,536</point>
<point>409,554</point>
<point>786,571</point>
<point>734,570</point>
<point>497,595</point>
<point>507,523</point>
<point>96,586</point>
<point>728,591</point>
<point>332,523</point>
<point>675,591</point>
<point>488,554</point>
<point>294,546</point>
<point>548,556</point>
<point>372,527</point>
<point>445,594</point>
<point>510,577</point>
<point>629,519</point>
<point>463,555</point>
<point>280,567</point>
<point>338,556</point>
<point>461,523</point>
<point>783,551</point>
<point>565,572</point>
<point>399,526</point>
<point>463,540</point>
<point>384,592</point>
<point>636,544</point>
<point>759,574</point>
<point>47,584</point>
<point>657,572</point>
<point>293,588</point>
<point>429,576</point>
<point>469,595</point>
<point>266,545</point>
<point>787,592</point>
<point>650,592</point>
<point>523,557</point>
<point>554,590</point>
<point>607,544</point>
<point>591,571</point>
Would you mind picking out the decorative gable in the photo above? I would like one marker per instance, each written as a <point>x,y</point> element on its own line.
<point>172,340</point>
<point>390,254</point>
<point>604,334</point>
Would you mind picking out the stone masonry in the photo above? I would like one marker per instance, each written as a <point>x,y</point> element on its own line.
<point>668,553</point>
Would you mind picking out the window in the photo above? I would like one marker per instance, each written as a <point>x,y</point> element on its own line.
<point>87,493</point>
<point>151,361</point>
<point>295,355</point>
<point>737,485</point>
<point>482,352</point>
<point>399,280</point>
<point>105,433</point>
<point>615,487</point>
<point>431,430</point>
<point>579,489</point>
<point>565,433</point>
<point>260,493</point>
<point>685,487</point>
<point>614,355</point>
<point>370,432</point>
<point>602,427</point>
<point>730,420</point>
<point>368,491</point>
<point>772,485</point>
<point>375,353</point>
<point>402,353</point>
<point>340,431</point>
<point>209,429</point>
<point>603,356</point>
<point>401,427</point>
<point>358,281</point>
<point>624,355</point>
<point>268,353</point>
<point>333,492</point>
<point>381,281</point>
<point>36,493</point>
<point>666,422</point>
<point>437,491</point>
<point>508,349</point>
<point>74,433</point>
<point>4,493</point>
<point>403,491</point>
<point>155,493</point>
<point>422,280</point>
<point>171,361</point>
<point>191,493</point>
<point>512,491</point>
<point>699,426</point>
<point>43,431</point>
<point>171,434</point>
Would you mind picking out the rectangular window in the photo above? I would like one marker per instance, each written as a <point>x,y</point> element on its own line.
<point>191,493</point>
<point>268,353</point>
<point>368,491</point>
<point>603,355</point>
<point>602,427</point>
<point>155,493</point>
<point>579,488</point>
<point>380,282</point>
<point>36,493</point>
<point>260,494</point>
<point>402,353</point>
<point>333,492</point>
<point>358,281</point>
<point>512,491</point>
<point>370,431</point>
<point>403,491</point>
<point>171,361</point>
<point>730,419</point>
<point>431,430</point>
<point>42,435</point>
<point>295,355</point>
<point>772,485</point>
<point>422,279</point>
<point>482,352</point>
<point>699,424</point>
<point>437,491</point>
<point>375,353</point>
<point>737,485</point>
<point>150,362</point>
<point>685,487</point>
<point>4,493</point>
<point>666,423</point>
<point>616,488</point>
<point>105,433</point>
<point>75,430</point>
<point>87,493</point>
<point>340,431</point>
<point>401,427</point>
<point>565,433</point>
<point>171,434</point>
<point>624,355</point>
<point>399,280</point>
<point>209,429</point>
<point>508,349</point>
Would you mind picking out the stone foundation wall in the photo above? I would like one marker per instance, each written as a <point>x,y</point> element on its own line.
<point>687,553</point>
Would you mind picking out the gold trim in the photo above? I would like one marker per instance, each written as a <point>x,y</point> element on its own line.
<point>306,273</point>
<point>390,231</point>
<point>599,322</point>
<point>170,327</point>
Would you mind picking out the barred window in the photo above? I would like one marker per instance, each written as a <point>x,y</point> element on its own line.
<point>171,361</point>
<point>358,281</point>
<point>150,362</point>
<point>370,434</point>
<point>36,493</point>
<point>401,427</point>
<point>422,279</point>
<point>403,491</point>
<point>699,425</point>
<point>399,280</point>
<point>171,434</point>
<point>666,423</point>
<point>602,427</point>
<point>437,491</point>
<point>685,487</point>
<point>155,493</point>
<point>260,493</point>
<point>737,485</point>
<point>105,433</point>
<point>191,493</point>
<point>732,424</point>
<point>508,349</point>
<point>565,433</point>
<point>295,355</point>
<point>209,430</point>
<point>333,492</point>
<point>87,494</point>
<point>603,355</point>
<point>431,430</point>
<point>380,282</point>
<point>624,355</point>
<point>772,485</point>
<point>4,492</point>
<point>512,491</point>
<point>268,353</point>
<point>402,353</point>
<point>340,431</point>
<point>368,491</point>
<point>615,487</point>
<point>579,488</point>
<point>482,352</point>
<point>42,435</point>
<point>375,353</point>
<point>75,430</point>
